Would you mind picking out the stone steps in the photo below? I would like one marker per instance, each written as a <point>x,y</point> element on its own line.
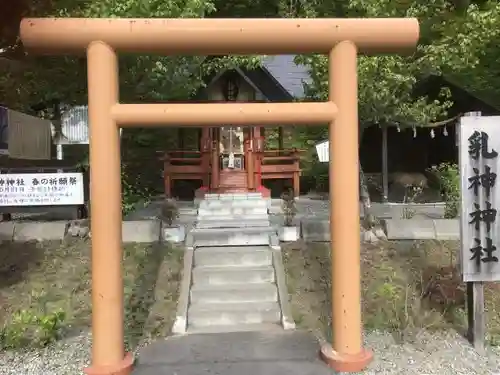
<point>230,209</point>
<point>233,196</point>
<point>257,327</point>
<point>257,292</point>
<point>234,222</point>
<point>217,275</point>
<point>215,237</point>
<point>240,203</point>
<point>233,279</point>
<point>233,210</point>
<point>233,289</point>
<point>252,256</point>
<point>224,314</point>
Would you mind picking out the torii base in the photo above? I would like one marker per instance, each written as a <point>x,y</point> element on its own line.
<point>125,367</point>
<point>345,362</point>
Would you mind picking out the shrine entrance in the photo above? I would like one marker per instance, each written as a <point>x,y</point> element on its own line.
<point>341,39</point>
<point>231,140</point>
<point>233,163</point>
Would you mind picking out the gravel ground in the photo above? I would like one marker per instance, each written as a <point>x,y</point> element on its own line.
<point>444,353</point>
<point>66,357</point>
<point>429,354</point>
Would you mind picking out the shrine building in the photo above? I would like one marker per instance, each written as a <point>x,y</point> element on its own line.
<point>234,158</point>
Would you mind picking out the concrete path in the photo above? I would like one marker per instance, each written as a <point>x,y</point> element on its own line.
<point>242,353</point>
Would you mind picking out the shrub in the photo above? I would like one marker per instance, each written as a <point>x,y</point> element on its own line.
<point>449,181</point>
<point>169,211</point>
<point>131,194</point>
<point>29,328</point>
<point>288,207</point>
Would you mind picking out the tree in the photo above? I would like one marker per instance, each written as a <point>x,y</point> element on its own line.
<point>142,78</point>
<point>453,36</point>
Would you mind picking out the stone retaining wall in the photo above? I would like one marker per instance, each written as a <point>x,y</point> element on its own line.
<point>145,231</point>
<point>395,229</point>
<point>422,229</point>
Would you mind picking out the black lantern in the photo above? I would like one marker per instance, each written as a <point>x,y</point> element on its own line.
<point>230,88</point>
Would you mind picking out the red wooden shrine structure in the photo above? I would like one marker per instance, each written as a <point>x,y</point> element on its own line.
<point>232,159</point>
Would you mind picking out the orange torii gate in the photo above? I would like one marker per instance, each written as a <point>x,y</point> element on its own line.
<point>341,39</point>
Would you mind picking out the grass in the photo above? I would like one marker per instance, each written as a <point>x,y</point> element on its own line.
<point>406,288</point>
<point>38,281</point>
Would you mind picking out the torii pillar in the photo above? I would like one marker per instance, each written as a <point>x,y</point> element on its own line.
<point>341,39</point>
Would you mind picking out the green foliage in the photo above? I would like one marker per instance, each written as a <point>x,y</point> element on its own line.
<point>30,328</point>
<point>142,77</point>
<point>452,43</point>
<point>412,192</point>
<point>319,172</point>
<point>132,195</point>
<point>449,180</point>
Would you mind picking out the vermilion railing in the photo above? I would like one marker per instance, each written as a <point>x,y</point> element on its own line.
<point>266,165</point>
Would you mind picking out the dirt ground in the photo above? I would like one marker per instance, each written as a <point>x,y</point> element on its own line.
<point>40,278</point>
<point>407,287</point>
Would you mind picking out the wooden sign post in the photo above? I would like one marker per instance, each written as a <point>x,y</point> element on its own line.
<point>479,147</point>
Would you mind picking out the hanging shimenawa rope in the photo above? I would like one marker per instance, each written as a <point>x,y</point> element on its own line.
<point>433,125</point>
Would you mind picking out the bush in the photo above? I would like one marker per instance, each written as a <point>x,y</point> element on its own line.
<point>169,211</point>
<point>448,175</point>
<point>319,172</point>
<point>288,207</point>
<point>131,194</point>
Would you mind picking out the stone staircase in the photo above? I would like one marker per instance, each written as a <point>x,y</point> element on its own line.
<point>234,284</point>
<point>236,210</point>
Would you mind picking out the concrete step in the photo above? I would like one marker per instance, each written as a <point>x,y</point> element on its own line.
<point>226,314</point>
<point>248,236</point>
<point>232,275</point>
<point>233,222</point>
<point>243,203</point>
<point>230,210</point>
<point>264,327</point>
<point>233,256</point>
<point>232,196</point>
<point>262,292</point>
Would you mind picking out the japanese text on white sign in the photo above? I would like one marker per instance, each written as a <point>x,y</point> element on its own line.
<point>41,189</point>
<point>479,156</point>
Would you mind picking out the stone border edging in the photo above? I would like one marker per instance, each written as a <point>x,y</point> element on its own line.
<point>422,229</point>
<point>180,324</point>
<point>287,320</point>
<point>133,231</point>
<point>25,231</point>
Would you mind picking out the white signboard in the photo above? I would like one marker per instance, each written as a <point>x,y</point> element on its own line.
<point>323,151</point>
<point>41,189</point>
<point>479,159</point>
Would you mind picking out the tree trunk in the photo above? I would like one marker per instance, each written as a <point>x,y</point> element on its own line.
<point>369,219</point>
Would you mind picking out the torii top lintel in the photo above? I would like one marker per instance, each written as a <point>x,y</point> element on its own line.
<point>219,36</point>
